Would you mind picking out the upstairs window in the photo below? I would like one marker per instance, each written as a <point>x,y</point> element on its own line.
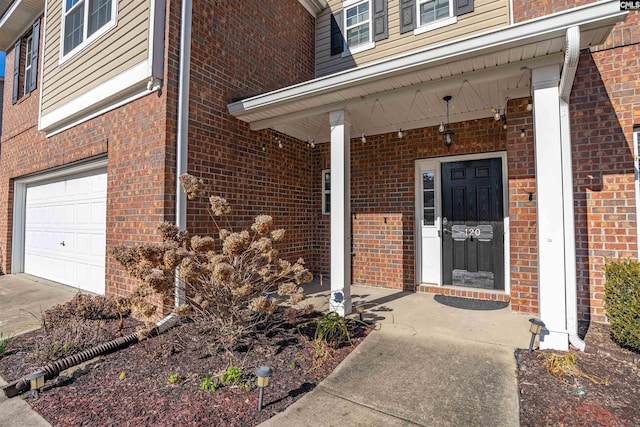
<point>25,63</point>
<point>85,21</point>
<point>358,26</point>
<point>431,11</point>
<point>425,15</point>
<point>28,64</point>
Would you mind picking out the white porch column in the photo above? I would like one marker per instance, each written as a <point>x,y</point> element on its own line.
<point>340,300</point>
<point>549,194</point>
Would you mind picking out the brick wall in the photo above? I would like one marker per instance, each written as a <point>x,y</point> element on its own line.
<point>383,197</point>
<point>240,50</point>
<point>605,101</point>
<point>522,209</point>
<point>136,139</point>
<point>524,10</point>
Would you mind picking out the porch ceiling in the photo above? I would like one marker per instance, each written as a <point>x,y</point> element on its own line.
<point>480,73</point>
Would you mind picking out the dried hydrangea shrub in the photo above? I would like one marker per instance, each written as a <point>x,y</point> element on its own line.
<point>231,283</point>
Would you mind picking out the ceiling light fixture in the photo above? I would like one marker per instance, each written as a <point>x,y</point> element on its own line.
<point>447,134</point>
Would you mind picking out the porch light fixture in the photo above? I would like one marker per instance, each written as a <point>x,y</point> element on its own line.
<point>400,133</point>
<point>447,134</point>
<point>535,329</point>
<point>263,373</point>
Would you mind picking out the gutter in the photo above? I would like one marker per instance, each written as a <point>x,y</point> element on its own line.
<point>572,55</point>
<point>182,142</point>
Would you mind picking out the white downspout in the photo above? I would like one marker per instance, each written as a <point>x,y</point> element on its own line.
<point>571,57</point>
<point>183,128</point>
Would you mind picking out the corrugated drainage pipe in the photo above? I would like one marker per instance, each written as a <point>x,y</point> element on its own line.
<point>53,369</point>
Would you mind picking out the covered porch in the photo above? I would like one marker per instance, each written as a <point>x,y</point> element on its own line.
<point>501,95</point>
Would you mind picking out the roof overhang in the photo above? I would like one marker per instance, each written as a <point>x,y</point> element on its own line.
<point>314,7</point>
<point>406,91</point>
<point>17,17</point>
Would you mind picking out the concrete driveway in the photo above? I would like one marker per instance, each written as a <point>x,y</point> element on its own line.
<point>23,299</point>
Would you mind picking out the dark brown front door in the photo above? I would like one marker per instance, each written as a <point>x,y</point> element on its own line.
<point>473,224</point>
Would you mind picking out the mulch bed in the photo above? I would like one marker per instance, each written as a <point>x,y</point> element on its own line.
<point>604,390</point>
<point>132,387</point>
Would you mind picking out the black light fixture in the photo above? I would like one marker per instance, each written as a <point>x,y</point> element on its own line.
<point>447,134</point>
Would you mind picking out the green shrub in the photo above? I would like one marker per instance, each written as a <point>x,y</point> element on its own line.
<point>232,375</point>
<point>208,383</point>
<point>622,301</point>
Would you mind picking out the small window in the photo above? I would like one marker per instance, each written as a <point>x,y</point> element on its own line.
<point>326,191</point>
<point>636,156</point>
<point>358,24</point>
<point>28,62</point>
<point>25,63</point>
<point>430,11</point>
<point>84,21</point>
<point>428,199</point>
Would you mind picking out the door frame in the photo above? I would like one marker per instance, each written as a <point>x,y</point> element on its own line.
<point>436,165</point>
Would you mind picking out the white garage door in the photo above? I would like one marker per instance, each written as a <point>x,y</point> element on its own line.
<point>65,230</point>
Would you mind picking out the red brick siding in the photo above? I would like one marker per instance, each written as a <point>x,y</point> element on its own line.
<point>523,10</point>
<point>383,197</point>
<point>239,49</point>
<point>137,141</point>
<point>522,211</point>
<point>604,106</point>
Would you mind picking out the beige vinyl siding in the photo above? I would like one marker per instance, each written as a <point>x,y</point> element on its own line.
<point>487,15</point>
<point>119,49</point>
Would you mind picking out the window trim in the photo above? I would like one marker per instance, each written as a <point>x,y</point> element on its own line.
<point>347,50</point>
<point>28,64</point>
<point>326,191</point>
<point>86,41</point>
<point>434,25</point>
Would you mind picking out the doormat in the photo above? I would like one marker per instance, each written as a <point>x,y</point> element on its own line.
<point>470,304</point>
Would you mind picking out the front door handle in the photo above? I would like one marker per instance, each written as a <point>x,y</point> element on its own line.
<point>445,231</point>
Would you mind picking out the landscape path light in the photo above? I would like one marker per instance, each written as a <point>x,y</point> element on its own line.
<point>263,373</point>
<point>535,329</point>
<point>358,306</point>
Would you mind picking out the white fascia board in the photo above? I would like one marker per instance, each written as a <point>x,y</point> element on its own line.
<point>110,92</point>
<point>314,7</point>
<point>550,26</point>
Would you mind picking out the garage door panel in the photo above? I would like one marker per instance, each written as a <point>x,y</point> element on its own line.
<point>65,232</point>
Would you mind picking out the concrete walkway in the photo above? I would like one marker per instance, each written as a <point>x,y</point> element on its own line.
<point>426,363</point>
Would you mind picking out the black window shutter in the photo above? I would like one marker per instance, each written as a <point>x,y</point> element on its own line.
<point>337,40</point>
<point>35,43</point>
<point>407,15</point>
<point>380,20</point>
<point>16,71</point>
<point>460,7</point>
